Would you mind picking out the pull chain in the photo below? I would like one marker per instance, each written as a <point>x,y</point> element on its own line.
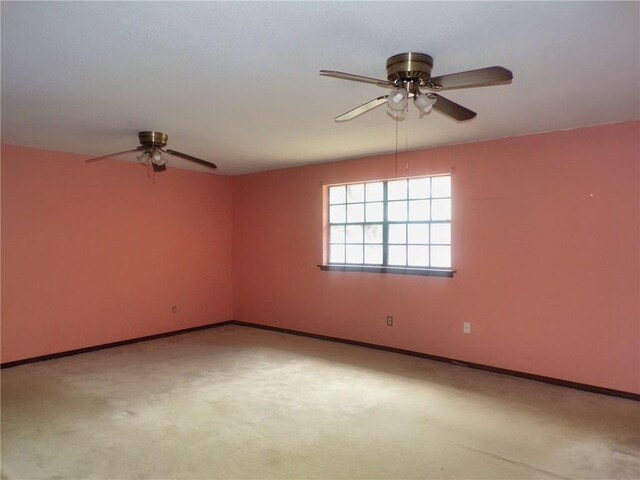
<point>397,146</point>
<point>406,144</point>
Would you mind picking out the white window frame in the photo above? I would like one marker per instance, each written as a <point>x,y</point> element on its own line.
<point>357,208</point>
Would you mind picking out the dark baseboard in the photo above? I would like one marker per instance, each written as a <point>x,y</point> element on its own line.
<point>460,363</point>
<point>120,343</point>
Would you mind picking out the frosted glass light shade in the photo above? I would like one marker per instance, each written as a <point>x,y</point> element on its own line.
<point>424,102</point>
<point>398,99</point>
<point>157,158</point>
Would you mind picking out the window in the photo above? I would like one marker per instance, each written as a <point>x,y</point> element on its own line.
<point>399,226</point>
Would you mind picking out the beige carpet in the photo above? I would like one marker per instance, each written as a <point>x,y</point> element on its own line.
<point>237,402</point>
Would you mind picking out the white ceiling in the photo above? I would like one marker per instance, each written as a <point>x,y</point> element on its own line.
<point>237,83</point>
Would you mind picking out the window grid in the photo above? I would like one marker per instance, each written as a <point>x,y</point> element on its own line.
<point>365,246</point>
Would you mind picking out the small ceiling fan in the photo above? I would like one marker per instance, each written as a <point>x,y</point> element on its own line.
<point>407,73</point>
<point>152,152</point>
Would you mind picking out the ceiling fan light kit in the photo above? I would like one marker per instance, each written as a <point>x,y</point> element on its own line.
<point>153,153</point>
<point>407,73</point>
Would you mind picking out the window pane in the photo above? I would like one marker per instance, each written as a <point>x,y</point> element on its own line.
<point>375,192</point>
<point>373,254</point>
<point>441,233</point>
<point>337,194</point>
<point>397,211</point>
<point>441,186</point>
<point>338,214</point>
<point>418,233</point>
<point>419,187</point>
<point>336,234</point>
<point>419,210</point>
<point>441,257</point>
<point>441,209</point>
<point>354,234</point>
<point>398,233</point>
<point>397,255</point>
<point>418,256</point>
<point>373,234</point>
<point>355,212</point>
<point>336,253</point>
<point>375,211</point>
<point>397,190</point>
<point>355,193</point>
<point>354,254</point>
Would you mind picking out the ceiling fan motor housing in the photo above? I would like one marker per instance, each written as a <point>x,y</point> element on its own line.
<point>153,139</point>
<point>409,67</point>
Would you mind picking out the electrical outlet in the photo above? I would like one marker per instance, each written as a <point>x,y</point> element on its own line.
<point>174,309</point>
<point>389,321</point>
<point>466,327</point>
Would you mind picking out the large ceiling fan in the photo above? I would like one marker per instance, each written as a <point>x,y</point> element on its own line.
<point>152,152</point>
<point>407,73</point>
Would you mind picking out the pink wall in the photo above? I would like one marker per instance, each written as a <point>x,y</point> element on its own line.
<point>93,254</point>
<point>546,245</point>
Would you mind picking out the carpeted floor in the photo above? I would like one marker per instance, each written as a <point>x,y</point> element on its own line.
<point>237,402</point>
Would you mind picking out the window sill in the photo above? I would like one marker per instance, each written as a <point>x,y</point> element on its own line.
<point>430,272</point>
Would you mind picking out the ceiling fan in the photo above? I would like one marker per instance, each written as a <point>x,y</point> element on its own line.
<point>407,73</point>
<point>152,152</point>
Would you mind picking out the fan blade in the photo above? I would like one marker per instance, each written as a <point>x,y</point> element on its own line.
<point>483,77</point>
<point>452,109</point>
<point>91,160</point>
<point>357,78</point>
<point>189,157</point>
<point>356,112</point>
